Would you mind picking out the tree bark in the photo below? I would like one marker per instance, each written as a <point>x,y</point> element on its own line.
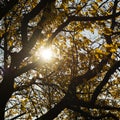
<point>6,90</point>
<point>7,8</point>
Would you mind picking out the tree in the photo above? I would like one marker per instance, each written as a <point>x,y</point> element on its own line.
<point>82,80</point>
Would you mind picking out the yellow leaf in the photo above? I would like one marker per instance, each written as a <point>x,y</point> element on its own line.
<point>95,6</point>
<point>99,51</point>
<point>10,43</point>
<point>78,7</point>
<point>108,45</point>
<point>96,55</point>
<point>98,0</point>
<point>113,57</point>
<point>15,85</point>
<point>112,50</point>
<point>107,31</point>
<point>83,1</point>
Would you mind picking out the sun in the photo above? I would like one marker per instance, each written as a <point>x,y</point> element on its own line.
<point>44,53</point>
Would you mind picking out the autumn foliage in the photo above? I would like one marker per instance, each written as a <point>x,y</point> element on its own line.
<point>81,81</point>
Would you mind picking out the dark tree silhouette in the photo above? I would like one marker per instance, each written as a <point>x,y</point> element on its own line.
<point>82,79</point>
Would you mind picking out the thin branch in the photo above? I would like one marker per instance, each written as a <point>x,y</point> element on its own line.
<point>18,116</point>
<point>2,69</point>
<point>59,29</point>
<point>1,47</point>
<point>116,33</point>
<point>103,3</point>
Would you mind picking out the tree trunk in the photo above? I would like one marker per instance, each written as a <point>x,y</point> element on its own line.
<point>2,109</point>
<point>6,90</point>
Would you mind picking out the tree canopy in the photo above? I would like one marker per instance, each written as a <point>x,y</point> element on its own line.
<point>60,59</point>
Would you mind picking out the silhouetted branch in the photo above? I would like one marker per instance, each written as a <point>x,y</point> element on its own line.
<point>80,18</point>
<point>18,116</point>
<point>5,9</point>
<point>104,82</point>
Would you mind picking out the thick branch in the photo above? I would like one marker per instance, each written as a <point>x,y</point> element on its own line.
<point>51,114</point>
<point>28,17</point>
<point>59,29</point>
<point>88,116</point>
<point>6,90</point>
<point>74,82</point>
<point>108,37</point>
<point>29,44</point>
<point>105,80</point>
<point>113,13</point>
<point>81,103</point>
<point>27,68</point>
<point>90,73</point>
<point>99,18</point>
<point>4,10</point>
<point>78,18</point>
